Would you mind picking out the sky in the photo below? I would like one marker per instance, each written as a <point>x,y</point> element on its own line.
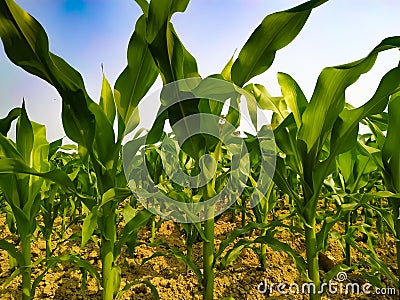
<point>89,33</point>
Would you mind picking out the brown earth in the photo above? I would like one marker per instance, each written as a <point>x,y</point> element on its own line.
<point>170,276</point>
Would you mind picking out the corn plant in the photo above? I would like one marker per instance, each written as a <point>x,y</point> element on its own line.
<point>24,166</point>
<point>89,124</point>
<point>324,122</point>
<point>353,181</point>
<point>176,63</point>
<point>66,206</point>
<point>386,156</point>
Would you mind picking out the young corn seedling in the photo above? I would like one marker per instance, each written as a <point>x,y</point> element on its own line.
<point>24,168</point>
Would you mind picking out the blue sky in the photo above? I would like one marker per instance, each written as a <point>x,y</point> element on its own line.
<point>88,33</point>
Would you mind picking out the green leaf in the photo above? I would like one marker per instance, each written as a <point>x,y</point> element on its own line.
<point>144,5</point>
<point>280,179</point>
<point>78,121</point>
<point>138,76</point>
<point>373,258</point>
<point>172,58</point>
<point>152,288</point>
<point>266,102</point>
<point>161,12</point>
<point>293,95</point>
<point>129,232</point>
<point>280,246</point>
<point>10,278</point>
<point>89,225</point>
<point>226,71</point>
<point>334,271</point>
<point>107,100</point>
<point>40,151</point>
<point>323,234</point>
<point>12,166</point>
<point>127,286</point>
<point>8,149</point>
<point>115,195</point>
<point>76,259</point>
<point>275,32</point>
<point>390,151</point>
<point>104,139</point>
<point>24,136</point>
<point>232,255</point>
<point>5,124</point>
<point>344,132</point>
<point>235,234</point>
<point>174,62</point>
<point>11,250</point>
<point>328,101</point>
<point>116,278</point>
<point>26,45</point>
<point>53,147</point>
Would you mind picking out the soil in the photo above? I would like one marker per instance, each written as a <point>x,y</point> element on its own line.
<point>170,277</point>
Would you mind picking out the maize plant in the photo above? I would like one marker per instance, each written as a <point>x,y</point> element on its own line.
<point>24,169</point>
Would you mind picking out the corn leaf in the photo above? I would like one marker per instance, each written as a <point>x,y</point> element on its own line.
<point>5,124</point>
<point>275,32</point>
<point>26,45</point>
<point>293,95</point>
<point>107,100</point>
<point>24,135</point>
<point>345,129</point>
<point>390,151</point>
<point>136,79</point>
<point>89,225</point>
<point>12,166</point>
<point>328,101</point>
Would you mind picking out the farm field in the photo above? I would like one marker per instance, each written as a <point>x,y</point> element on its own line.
<point>171,278</point>
<point>231,194</point>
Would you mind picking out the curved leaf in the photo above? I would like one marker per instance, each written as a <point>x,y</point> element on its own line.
<point>5,124</point>
<point>293,95</point>
<point>138,76</point>
<point>275,32</point>
<point>12,166</point>
<point>26,45</point>
<point>328,99</point>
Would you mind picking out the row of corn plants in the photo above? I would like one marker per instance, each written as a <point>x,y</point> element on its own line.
<point>324,169</point>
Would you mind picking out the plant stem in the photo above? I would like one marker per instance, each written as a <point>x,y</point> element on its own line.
<point>263,261</point>
<point>26,267</point>
<point>63,223</point>
<point>153,229</point>
<point>312,255</point>
<point>312,261</point>
<point>48,247</point>
<point>243,215</point>
<point>348,247</point>
<point>208,244</point>
<point>208,258</point>
<point>396,211</point>
<point>107,255</point>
